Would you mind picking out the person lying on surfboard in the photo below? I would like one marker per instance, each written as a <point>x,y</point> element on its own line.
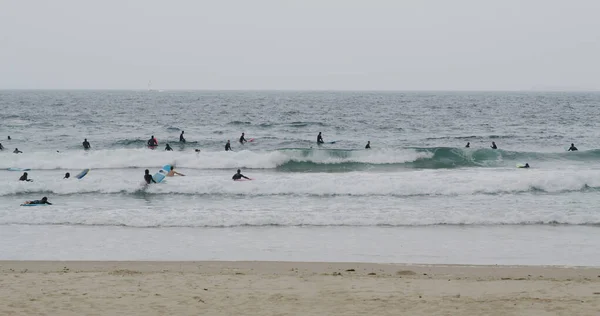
<point>44,200</point>
<point>17,151</point>
<point>242,139</point>
<point>239,175</point>
<point>525,166</point>
<point>172,172</point>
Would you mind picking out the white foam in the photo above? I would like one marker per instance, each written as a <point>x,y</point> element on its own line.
<point>144,158</point>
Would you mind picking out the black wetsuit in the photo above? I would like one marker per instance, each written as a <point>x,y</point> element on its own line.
<point>238,176</point>
<point>86,145</point>
<point>152,142</point>
<point>181,139</point>
<point>320,139</point>
<point>572,148</point>
<point>494,146</point>
<point>39,202</point>
<point>1,147</point>
<point>228,147</point>
<point>242,139</point>
<point>368,146</point>
<point>24,178</point>
<point>168,148</point>
<point>148,178</point>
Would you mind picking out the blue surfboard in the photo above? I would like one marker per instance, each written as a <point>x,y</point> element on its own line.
<point>34,204</point>
<point>18,169</point>
<point>82,173</point>
<point>162,173</point>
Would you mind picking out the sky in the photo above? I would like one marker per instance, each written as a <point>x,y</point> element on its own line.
<point>300,45</point>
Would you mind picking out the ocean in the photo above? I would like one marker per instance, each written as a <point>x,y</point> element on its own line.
<point>418,195</point>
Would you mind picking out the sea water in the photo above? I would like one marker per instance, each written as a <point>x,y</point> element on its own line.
<point>418,195</point>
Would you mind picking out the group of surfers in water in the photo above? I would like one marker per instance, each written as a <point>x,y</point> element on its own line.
<point>149,179</point>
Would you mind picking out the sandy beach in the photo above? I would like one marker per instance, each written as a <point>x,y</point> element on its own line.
<point>293,288</point>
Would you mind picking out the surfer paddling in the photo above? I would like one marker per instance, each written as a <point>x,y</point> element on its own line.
<point>239,176</point>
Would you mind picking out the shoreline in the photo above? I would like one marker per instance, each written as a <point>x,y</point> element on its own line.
<point>294,288</point>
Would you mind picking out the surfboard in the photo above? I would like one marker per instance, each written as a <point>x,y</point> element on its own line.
<point>18,169</point>
<point>162,173</point>
<point>251,140</point>
<point>82,173</point>
<point>244,179</point>
<point>520,165</point>
<point>34,204</point>
<point>333,142</point>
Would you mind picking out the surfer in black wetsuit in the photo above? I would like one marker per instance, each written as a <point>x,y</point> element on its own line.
<point>17,151</point>
<point>494,145</point>
<point>44,200</point>
<point>228,146</point>
<point>239,175</point>
<point>24,177</point>
<point>1,147</point>
<point>148,178</point>
<point>67,175</point>
<point>242,139</point>
<point>181,139</point>
<point>368,145</point>
<point>152,142</point>
<point>572,148</point>
<point>468,145</point>
<point>525,166</point>
<point>86,144</point>
<point>8,137</point>
<point>168,148</point>
<point>320,139</point>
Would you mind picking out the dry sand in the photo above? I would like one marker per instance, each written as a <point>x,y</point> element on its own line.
<point>293,288</point>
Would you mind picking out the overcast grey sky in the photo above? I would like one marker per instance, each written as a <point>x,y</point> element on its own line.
<point>304,44</point>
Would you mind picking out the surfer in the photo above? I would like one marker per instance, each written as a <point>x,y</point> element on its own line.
<point>320,139</point>
<point>494,145</point>
<point>8,137</point>
<point>168,148</point>
<point>525,166</point>
<point>152,142</point>
<point>239,175</point>
<point>44,200</point>
<point>228,146</point>
<point>242,139</point>
<point>368,145</point>
<point>86,144</point>
<point>67,175</point>
<point>197,150</point>
<point>24,177</point>
<point>17,151</point>
<point>1,147</point>
<point>172,173</point>
<point>572,148</point>
<point>468,145</point>
<point>148,178</point>
<point>181,139</point>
